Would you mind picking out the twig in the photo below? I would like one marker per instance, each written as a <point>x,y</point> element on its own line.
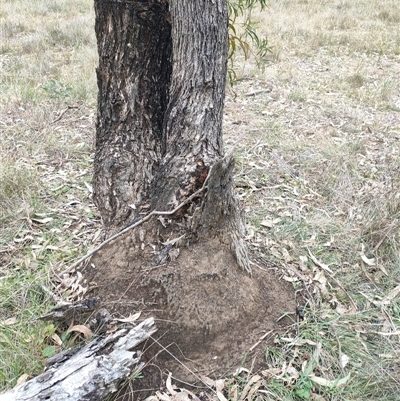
<point>318,263</point>
<point>134,225</point>
<point>259,341</point>
<point>62,114</point>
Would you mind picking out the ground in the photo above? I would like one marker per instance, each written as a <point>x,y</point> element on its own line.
<point>208,311</point>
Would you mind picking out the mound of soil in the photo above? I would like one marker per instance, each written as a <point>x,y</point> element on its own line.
<point>208,312</point>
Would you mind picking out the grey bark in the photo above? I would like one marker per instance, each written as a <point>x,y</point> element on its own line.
<point>193,119</point>
<point>134,45</point>
<point>159,130</point>
<point>91,373</point>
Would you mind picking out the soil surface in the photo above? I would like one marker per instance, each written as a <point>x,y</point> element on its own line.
<point>210,314</point>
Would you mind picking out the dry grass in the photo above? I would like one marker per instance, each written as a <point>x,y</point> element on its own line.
<point>318,167</point>
<point>319,164</point>
<point>47,61</point>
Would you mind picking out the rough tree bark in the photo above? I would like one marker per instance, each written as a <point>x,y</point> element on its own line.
<point>161,78</point>
<point>134,45</point>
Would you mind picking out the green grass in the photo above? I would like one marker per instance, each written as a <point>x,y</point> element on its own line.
<point>22,300</point>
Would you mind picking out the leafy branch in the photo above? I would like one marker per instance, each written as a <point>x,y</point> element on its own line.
<point>244,35</point>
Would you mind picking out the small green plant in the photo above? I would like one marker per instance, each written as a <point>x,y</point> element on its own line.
<point>303,388</point>
<point>356,80</point>
<point>49,351</point>
<point>57,90</point>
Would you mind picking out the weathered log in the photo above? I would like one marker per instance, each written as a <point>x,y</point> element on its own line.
<point>91,373</point>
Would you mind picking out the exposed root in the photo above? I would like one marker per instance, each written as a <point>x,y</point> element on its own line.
<point>222,214</point>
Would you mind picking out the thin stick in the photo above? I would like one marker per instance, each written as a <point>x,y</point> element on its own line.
<point>134,225</point>
<point>259,341</point>
<point>62,114</point>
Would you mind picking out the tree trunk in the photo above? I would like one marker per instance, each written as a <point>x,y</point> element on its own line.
<point>193,119</point>
<point>161,77</point>
<point>134,45</point>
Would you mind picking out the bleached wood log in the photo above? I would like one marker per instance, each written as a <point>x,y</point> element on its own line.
<point>91,373</point>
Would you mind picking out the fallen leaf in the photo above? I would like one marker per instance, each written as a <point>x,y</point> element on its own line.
<point>298,341</point>
<point>389,356</point>
<point>385,301</point>
<point>253,390</point>
<point>238,371</point>
<point>271,372</point>
<point>56,338</point>
<point>292,279</point>
<point>392,333</point>
<point>220,384</point>
<point>233,393</point>
<point>9,322</point>
<point>24,239</point>
<point>318,263</point>
<point>248,386</point>
<point>317,351</point>
<point>303,262</point>
<point>275,252</point>
<point>53,248</point>
<point>344,360</point>
<point>340,309</point>
<point>267,223</point>
<point>168,384</point>
<point>329,243</point>
<point>383,270</point>
<point>207,381</point>
<point>392,294</point>
<point>22,379</point>
<point>80,328</point>
<point>151,398</point>
<point>221,397</point>
<point>42,221</point>
<point>293,372</point>
<point>286,255</point>
<point>181,396</point>
<point>130,318</point>
<point>88,186</point>
<point>184,395</point>
<point>163,396</point>
<point>320,277</point>
<point>96,235</point>
<point>369,262</point>
<point>329,383</point>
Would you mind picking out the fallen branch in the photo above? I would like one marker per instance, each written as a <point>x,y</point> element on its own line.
<point>91,373</point>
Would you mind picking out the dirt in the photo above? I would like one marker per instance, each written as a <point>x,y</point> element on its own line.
<point>208,312</point>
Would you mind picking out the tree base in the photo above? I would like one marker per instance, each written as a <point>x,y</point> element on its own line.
<point>209,313</point>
